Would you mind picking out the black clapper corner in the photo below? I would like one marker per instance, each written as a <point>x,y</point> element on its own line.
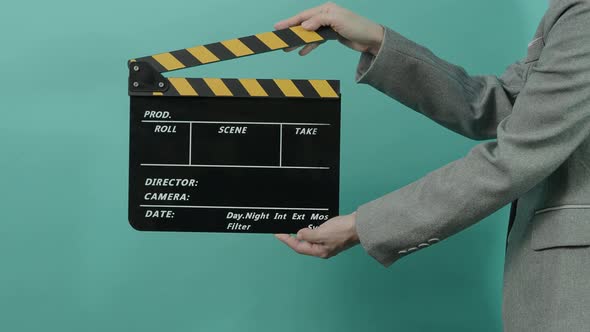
<point>232,155</point>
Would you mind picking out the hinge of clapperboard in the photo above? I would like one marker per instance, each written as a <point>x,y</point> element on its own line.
<point>146,79</point>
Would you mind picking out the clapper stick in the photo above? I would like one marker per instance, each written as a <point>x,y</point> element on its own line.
<point>145,73</point>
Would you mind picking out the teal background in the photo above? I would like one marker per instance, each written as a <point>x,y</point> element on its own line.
<point>70,261</point>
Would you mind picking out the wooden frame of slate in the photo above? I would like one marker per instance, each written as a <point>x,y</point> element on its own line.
<point>232,155</point>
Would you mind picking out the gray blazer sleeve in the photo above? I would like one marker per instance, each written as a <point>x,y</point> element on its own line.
<point>472,106</point>
<point>548,121</point>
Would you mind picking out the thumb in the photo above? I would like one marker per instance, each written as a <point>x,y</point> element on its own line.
<point>317,21</point>
<point>309,235</point>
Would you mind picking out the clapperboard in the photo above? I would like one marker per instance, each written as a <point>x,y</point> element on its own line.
<point>232,155</point>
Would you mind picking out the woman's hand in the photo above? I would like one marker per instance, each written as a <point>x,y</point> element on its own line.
<point>355,31</point>
<point>327,240</point>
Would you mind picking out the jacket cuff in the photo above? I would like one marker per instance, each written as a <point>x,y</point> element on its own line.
<point>365,231</point>
<point>387,231</point>
<point>374,239</point>
<point>370,68</point>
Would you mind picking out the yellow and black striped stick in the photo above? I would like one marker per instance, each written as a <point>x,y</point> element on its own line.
<point>249,87</point>
<point>236,48</point>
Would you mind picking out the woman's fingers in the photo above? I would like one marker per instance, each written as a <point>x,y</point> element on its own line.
<point>305,50</point>
<point>297,19</point>
<point>301,247</point>
<point>309,235</point>
<point>325,18</point>
<point>282,237</point>
<point>330,238</point>
<point>356,32</point>
<point>308,48</point>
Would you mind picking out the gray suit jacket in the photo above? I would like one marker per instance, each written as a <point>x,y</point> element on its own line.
<point>538,115</point>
